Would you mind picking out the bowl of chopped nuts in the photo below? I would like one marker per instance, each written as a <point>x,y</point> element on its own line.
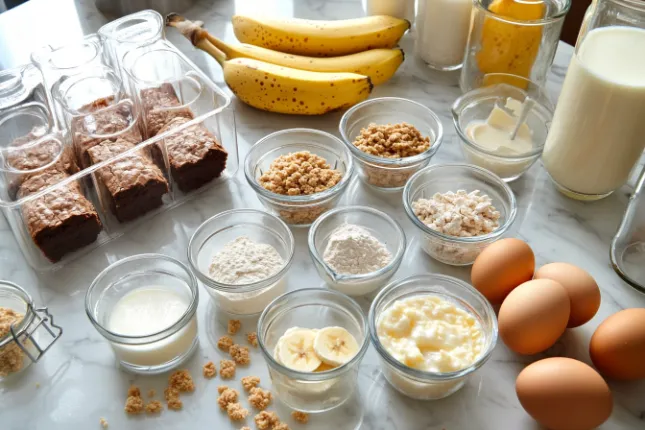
<point>391,139</point>
<point>459,209</point>
<point>299,173</point>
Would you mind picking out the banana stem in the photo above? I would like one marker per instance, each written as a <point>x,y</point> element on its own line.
<point>206,46</point>
<point>199,37</point>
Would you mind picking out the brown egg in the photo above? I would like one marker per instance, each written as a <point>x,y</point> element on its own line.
<point>617,347</point>
<point>564,394</point>
<point>581,287</point>
<point>502,266</point>
<point>534,316</point>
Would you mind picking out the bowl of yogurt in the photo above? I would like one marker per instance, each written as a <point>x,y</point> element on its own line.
<point>241,257</point>
<point>431,332</point>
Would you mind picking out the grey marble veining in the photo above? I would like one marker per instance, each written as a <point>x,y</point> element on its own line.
<point>78,382</point>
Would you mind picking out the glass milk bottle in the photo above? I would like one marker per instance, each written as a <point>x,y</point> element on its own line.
<point>403,9</point>
<point>598,130</point>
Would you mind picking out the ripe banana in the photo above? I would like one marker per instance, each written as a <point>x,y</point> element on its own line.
<point>295,350</point>
<point>320,38</point>
<point>335,346</point>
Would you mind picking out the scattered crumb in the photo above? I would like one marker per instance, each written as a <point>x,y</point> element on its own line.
<point>221,388</point>
<point>182,381</point>
<point>236,412</point>
<point>154,407</point>
<point>134,391</point>
<point>209,370</point>
<point>151,393</point>
<point>172,399</point>
<point>249,382</point>
<point>252,338</point>
<point>227,369</point>
<point>240,354</point>
<point>224,343</point>
<point>104,423</point>
<point>280,426</point>
<point>234,326</point>
<point>301,417</point>
<point>260,399</point>
<point>227,396</point>
<point>265,420</point>
<point>134,405</point>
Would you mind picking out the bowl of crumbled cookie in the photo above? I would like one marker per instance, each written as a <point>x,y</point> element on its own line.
<point>299,173</point>
<point>390,139</point>
<point>459,209</point>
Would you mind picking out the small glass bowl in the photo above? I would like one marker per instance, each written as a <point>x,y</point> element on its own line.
<point>299,210</point>
<point>215,233</point>
<point>420,384</point>
<point>390,174</point>
<point>157,352</point>
<point>441,178</point>
<point>312,308</point>
<point>476,106</point>
<point>379,224</point>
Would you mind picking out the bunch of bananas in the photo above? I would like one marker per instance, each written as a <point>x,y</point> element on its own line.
<point>303,67</point>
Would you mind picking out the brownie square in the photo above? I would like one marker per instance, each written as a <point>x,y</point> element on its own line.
<point>161,105</point>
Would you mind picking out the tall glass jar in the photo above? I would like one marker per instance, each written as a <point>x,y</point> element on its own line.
<point>512,37</point>
<point>598,130</point>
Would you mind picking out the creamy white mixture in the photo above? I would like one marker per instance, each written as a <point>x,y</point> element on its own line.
<point>353,250</point>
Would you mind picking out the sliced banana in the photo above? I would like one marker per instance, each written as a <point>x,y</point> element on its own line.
<point>296,351</point>
<point>335,346</point>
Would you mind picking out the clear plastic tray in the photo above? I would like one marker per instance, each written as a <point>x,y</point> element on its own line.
<point>88,193</point>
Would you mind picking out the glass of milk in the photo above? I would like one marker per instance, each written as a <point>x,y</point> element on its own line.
<point>145,307</point>
<point>598,132</point>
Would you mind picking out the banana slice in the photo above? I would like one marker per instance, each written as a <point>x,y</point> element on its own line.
<point>335,346</point>
<point>296,351</point>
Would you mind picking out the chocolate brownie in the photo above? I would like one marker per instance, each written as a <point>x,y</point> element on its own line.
<point>133,184</point>
<point>60,221</point>
<point>194,154</point>
<point>161,105</point>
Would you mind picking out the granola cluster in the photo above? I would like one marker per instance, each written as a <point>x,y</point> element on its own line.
<point>240,354</point>
<point>299,173</point>
<point>209,370</point>
<point>392,140</point>
<point>252,338</point>
<point>227,369</point>
<point>260,399</point>
<point>234,326</point>
<point>224,343</point>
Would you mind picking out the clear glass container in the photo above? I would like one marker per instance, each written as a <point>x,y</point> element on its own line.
<point>22,85</point>
<point>25,342</point>
<point>474,108</point>
<point>403,9</point>
<point>379,224</point>
<point>300,210</point>
<point>312,308</point>
<point>441,178</point>
<point>213,234</point>
<point>156,352</point>
<point>425,385</point>
<point>515,38</point>
<point>596,137</point>
<point>390,174</point>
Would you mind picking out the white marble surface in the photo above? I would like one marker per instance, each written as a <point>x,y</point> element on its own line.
<point>78,381</point>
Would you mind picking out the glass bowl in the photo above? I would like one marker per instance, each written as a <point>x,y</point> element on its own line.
<point>299,210</point>
<point>379,224</point>
<point>420,384</point>
<point>312,308</point>
<point>390,174</point>
<point>476,105</point>
<point>214,233</point>
<point>441,178</point>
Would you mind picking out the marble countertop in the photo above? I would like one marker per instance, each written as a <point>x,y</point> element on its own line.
<point>78,382</point>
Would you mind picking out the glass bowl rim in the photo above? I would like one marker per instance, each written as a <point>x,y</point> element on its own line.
<point>28,317</point>
<point>533,22</point>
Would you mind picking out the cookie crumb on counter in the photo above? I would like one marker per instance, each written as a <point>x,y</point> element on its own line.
<point>133,405</point>
<point>280,426</point>
<point>252,338</point>
<point>222,388</point>
<point>209,370</point>
<point>265,420</point>
<point>240,354</point>
<point>11,356</point>
<point>249,382</point>
<point>134,391</point>
<point>225,342</point>
<point>234,326</point>
<point>301,417</point>
<point>227,369</point>
<point>260,399</point>
<point>392,140</point>
<point>229,395</point>
<point>236,412</point>
<point>182,381</point>
<point>151,393</point>
<point>154,407</point>
<point>172,399</point>
<point>104,423</point>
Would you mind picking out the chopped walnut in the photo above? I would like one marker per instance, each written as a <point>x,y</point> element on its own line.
<point>236,412</point>
<point>252,338</point>
<point>11,356</point>
<point>265,420</point>
<point>182,381</point>
<point>227,369</point>
<point>240,354</point>
<point>104,423</point>
<point>234,326</point>
<point>225,342</point>
<point>301,417</point>
<point>222,388</point>
<point>299,173</point>
<point>134,405</point>
<point>260,399</point>
<point>392,140</point>
<point>172,399</point>
<point>249,382</point>
<point>134,391</point>
<point>281,426</point>
<point>151,393</point>
<point>209,370</point>
<point>227,396</point>
<point>154,407</point>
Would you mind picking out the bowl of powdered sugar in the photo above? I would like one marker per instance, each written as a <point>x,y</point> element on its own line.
<point>356,249</point>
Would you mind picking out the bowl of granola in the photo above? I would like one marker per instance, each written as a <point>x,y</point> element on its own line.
<point>459,209</point>
<point>299,173</point>
<point>391,139</point>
